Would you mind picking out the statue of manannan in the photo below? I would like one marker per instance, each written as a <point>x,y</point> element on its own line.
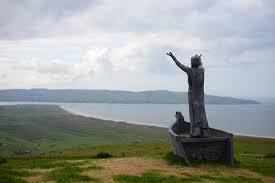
<point>198,121</point>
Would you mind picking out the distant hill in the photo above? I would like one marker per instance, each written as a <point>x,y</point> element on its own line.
<point>264,100</point>
<point>110,96</point>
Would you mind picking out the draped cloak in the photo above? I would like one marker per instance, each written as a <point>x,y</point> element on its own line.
<point>198,119</point>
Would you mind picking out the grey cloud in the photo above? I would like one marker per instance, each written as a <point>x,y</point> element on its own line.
<point>58,67</point>
<point>230,34</point>
<point>23,19</point>
<point>210,20</point>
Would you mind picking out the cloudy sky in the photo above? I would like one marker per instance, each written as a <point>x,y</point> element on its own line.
<point>121,44</point>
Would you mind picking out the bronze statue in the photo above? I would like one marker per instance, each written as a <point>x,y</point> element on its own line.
<point>198,121</point>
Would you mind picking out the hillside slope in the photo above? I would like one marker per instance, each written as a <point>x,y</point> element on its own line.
<point>143,163</point>
<point>43,128</point>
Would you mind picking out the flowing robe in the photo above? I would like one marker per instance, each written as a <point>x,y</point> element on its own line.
<point>198,121</point>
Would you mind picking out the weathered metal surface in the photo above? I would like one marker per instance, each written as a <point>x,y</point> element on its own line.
<point>195,141</point>
<point>198,120</point>
<point>217,147</point>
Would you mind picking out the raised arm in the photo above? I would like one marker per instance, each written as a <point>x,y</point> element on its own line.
<point>180,65</point>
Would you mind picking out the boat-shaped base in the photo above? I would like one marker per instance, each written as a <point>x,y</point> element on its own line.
<point>217,147</point>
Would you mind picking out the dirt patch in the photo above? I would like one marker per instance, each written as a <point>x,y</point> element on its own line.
<point>268,179</point>
<point>137,166</point>
<point>247,173</point>
<point>40,170</point>
<point>33,179</point>
<point>36,179</point>
<point>242,172</point>
<point>77,161</point>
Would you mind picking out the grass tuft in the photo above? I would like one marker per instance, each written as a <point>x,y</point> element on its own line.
<point>173,159</point>
<point>18,173</point>
<point>3,160</point>
<point>269,155</point>
<point>41,163</point>
<point>92,167</point>
<point>10,175</point>
<point>10,179</point>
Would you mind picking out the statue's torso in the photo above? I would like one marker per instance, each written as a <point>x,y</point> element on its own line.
<point>196,100</point>
<point>196,82</point>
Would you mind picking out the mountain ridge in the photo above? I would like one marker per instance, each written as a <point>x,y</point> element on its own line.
<point>110,96</point>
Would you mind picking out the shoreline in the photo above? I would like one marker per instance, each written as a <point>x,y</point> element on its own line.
<point>114,120</point>
<point>149,124</point>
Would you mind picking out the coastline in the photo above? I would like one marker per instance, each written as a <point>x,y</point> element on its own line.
<point>101,117</point>
<point>150,124</point>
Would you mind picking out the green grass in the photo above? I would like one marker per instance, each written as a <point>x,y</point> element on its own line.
<point>253,145</point>
<point>10,179</point>
<point>58,136</point>
<point>146,149</point>
<point>155,177</point>
<point>69,174</point>
<point>260,147</point>
<point>242,146</point>
<point>173,159</point>
<point>62,170</point>
<point>11,171</point>
<point>10,174</point>
<point>32,163</point>
<point>93,167</point>
<point>261,165</point>
<point>46,128</point>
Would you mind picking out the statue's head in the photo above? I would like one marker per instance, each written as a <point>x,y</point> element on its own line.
<point>196,61</point>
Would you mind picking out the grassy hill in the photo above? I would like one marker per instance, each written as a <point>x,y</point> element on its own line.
<point>64,148</point>
<point>43,128</point>
<point>110,96</point>
<point>150,162</point>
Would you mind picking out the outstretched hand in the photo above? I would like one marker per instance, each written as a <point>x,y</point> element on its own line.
<point>170,54</point>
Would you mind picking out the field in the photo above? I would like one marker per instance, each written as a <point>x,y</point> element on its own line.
<point>142,154</point>
<point>43,128</point>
